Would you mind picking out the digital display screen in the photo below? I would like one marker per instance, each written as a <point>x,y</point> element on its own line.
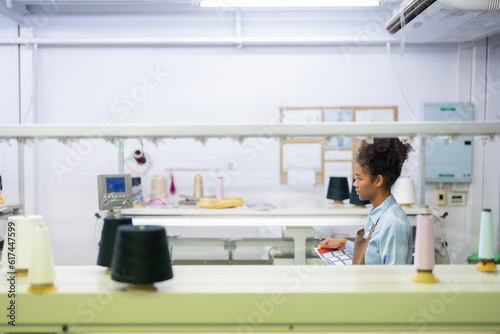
<point>115,185</point>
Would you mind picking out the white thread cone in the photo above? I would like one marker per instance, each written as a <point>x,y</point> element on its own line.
<point>159,187</point>
<point>41,271</point>
<point>24,230</point>
<point>486,239</point>
<point>404,191</point>
<point>198,186</point>
<point>424,243</point>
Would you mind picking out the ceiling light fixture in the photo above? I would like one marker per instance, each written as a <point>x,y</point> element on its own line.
<point>287,3</point>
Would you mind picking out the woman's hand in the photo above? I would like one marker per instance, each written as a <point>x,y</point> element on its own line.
<point>332,243</point>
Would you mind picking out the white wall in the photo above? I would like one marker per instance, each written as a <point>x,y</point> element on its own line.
<point>9,95</point>
<point>203,85</point>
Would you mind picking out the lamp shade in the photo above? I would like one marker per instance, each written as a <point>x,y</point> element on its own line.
<point>338,189</point>
<point>108,236</point>
<point>354,198</point>
<point>404,191</point>
<point>141,255</point>
<point>486,237</point>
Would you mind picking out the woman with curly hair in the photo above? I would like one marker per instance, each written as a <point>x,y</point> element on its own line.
<point>387,236</point>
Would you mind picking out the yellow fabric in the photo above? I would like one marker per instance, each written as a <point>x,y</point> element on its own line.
<point>211,203</point>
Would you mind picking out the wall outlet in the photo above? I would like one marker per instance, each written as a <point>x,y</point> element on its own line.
<point>456,199</point>
<point>460,187</point>
<point>440,197</point>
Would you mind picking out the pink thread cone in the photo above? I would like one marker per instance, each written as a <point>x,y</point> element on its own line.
<point>424,244</point>
<point>220,188</point>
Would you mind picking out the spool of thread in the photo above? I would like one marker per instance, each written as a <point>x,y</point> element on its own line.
<point>354,198</point>
<point>198,186</point>
<point>137,198</point>
<point>172,186</point>
<point>108,237</point>
<point>404,192</point>
<point>141,257</point>
<point>1,188</point>
<point>23,228</point>
<point>424,250</point>
<point>139,157</point>
<point>486,243</point>
<point>159,187</point>
<point>338,189</point>
<point>220,189</point>
<point>41,271</point>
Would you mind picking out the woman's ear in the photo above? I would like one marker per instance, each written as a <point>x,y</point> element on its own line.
<point>379,181</point>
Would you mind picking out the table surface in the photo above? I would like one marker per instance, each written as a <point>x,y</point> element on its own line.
<point>265,298</point>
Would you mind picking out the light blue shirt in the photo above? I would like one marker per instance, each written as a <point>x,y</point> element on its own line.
<point>392,239</point>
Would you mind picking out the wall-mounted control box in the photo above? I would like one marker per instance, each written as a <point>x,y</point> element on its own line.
<point>448,160</point>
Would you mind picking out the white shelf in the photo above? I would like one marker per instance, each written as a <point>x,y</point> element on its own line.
<point>238,131</point>
<point>192,216</point>
<point>311,211</point>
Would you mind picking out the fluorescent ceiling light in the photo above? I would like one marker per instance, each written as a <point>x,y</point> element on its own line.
<point>287,3</point>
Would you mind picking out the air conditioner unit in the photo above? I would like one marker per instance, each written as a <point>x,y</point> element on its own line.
<point>422,21</point>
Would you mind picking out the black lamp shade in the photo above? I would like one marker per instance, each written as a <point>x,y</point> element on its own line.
<point>354,199</point>
<point>141,255</point>
<point>338,188</point>
<point>108,236</point>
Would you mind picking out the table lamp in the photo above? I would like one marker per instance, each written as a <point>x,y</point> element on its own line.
<point>354,198</point>
<point>41,272</point>
<point>108,237</point>
<point>486,243</point>
<point>404,192</point>
<point>141,257</point>
<point>338,189</point>
<point>424,250</point>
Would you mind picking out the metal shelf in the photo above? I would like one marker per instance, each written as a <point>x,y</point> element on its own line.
<point>239,131</point>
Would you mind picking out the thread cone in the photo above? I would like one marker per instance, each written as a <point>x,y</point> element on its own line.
<point>41,273</point>
<point>23,232</point>
<point>424,243</point>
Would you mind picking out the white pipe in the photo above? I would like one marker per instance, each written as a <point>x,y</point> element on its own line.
<point>213,41</point>
<point>473,5</point>
<point>423,144</point>
<point>237,131</point>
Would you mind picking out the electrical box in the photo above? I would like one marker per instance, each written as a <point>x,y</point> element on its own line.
<point>447,160</point>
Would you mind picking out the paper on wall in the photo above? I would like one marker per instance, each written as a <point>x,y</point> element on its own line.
<point>301,177</point>
<point>302,156</point>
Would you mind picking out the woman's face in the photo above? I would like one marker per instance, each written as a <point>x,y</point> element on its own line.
<point>365,188</point>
